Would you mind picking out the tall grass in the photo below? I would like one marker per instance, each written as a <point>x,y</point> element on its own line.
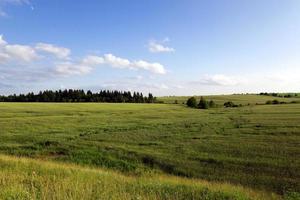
<point>254,146</point>
<point>23,178</point>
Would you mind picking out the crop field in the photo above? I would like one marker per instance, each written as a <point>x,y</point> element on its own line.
<point>255,147</point>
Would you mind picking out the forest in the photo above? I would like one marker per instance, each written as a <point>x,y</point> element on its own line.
<point>70,95</point>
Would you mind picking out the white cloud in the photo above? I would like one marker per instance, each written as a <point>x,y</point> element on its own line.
<point>16,52</point>
<point>156,47</point>
<point>92,60</point>
<point>25,65</point>
<point>220,79</point>
<point>2,41</point>
<point>116,61</point>
<point>68,68</point>
<point>122,63</point>
<point>3,57</point>
<point>152,67</point>
<point>59,52</point>
<point>21,52</point>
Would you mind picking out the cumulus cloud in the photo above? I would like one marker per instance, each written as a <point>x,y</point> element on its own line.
<point>159,47</point>
<point>59,52</point>
<point>16,52</point>
<point>21,52</point>
<point>153,67</point>
<point>63,64</point>
<point>3,57</point>
<point>123,63</point>
<point>2,41</point>
<point>92,60</point>
<point>24,65</point>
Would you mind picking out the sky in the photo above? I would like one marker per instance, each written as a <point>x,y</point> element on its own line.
<point>166,47</point>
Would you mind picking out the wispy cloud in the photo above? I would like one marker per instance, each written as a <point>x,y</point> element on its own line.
<point>4,3</point>
<point>159,47</point>
<point>2,13</point>
<point>220,80</point>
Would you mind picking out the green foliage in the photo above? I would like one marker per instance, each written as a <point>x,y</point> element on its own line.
<point>192,102</point>
<point>212,104</point>
<point>284,95</point>
<point>203,104</point>
<point>292,196</point>
<point>269,102</point>
<point>81,96</point>
<point>229,104</point>
<point>275,101</point>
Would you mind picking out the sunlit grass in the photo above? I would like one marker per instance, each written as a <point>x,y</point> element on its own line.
<point>22,178</point>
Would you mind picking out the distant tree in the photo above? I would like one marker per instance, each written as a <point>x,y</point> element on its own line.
<point>269,102</point>
<point>203,104</point>
<point>176,102</point>
<point>80,96</point>
<point>192,102</point>
<point>275,101</point>
<point>211,104</point>
<point>230,104</point>
<point>150,98</point>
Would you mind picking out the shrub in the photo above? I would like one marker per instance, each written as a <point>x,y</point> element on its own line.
<point>203,104</point>
<point>275,101</point>
<point>295,102</point>
<point>269,102</point>
<point>230,104</point>
<point>192,102</point>
<point>212,104</point>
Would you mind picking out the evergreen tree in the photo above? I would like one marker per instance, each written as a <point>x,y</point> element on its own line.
<point>80,96</point>
<point>211,104</point>
<point>203,104</point>
<point>192,102</point>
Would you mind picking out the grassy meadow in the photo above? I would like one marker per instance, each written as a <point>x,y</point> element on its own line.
<point>243,99</point>
<point>24,179</point>
<point>150,146</point>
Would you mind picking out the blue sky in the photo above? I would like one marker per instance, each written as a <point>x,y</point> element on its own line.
<point>168,47</point>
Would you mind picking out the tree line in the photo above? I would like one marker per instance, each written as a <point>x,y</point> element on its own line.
<point>111,96</point>
<point>203,104</point>
<point>285,95</point>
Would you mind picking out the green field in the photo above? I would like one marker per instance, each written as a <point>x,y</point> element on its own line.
<point>243,99</point>
<point>252,146</point>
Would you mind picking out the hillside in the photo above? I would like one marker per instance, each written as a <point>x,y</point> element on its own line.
<point>243,99</point>
<point>22,179</point>
<point>253,146</point>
